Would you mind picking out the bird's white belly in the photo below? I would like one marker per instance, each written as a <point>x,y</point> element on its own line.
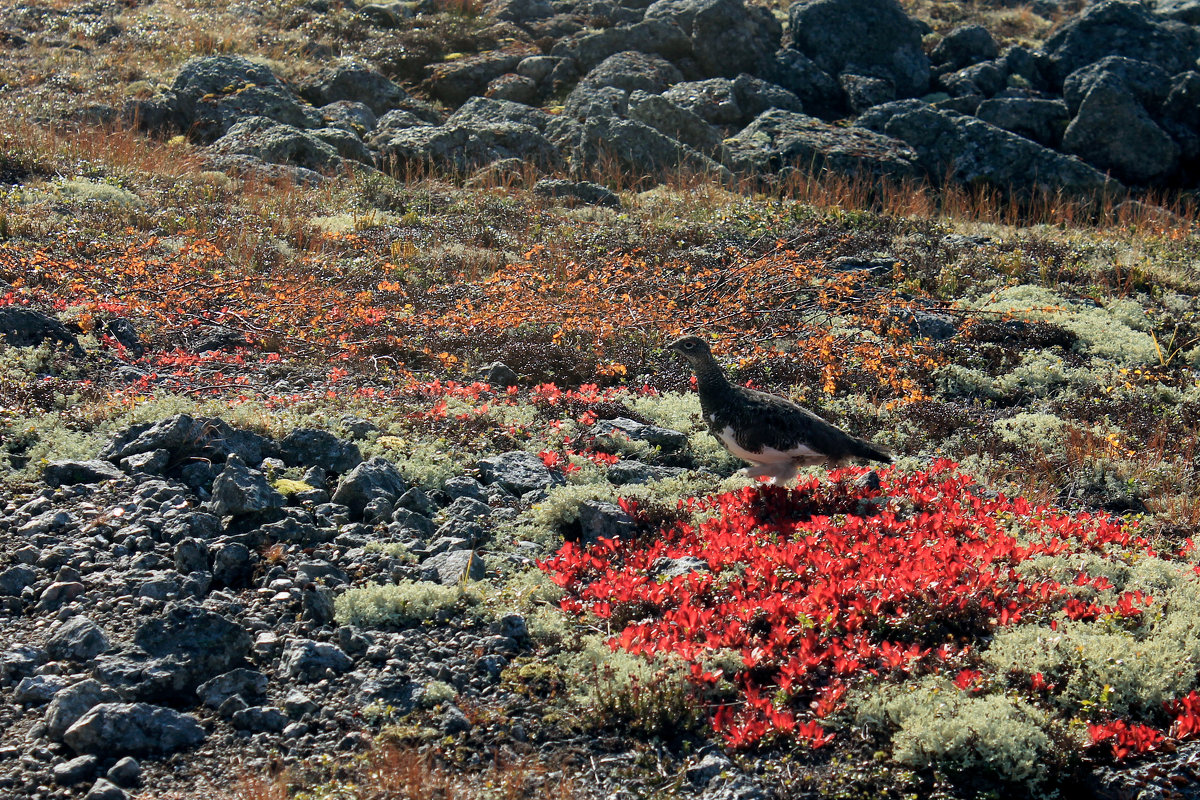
<point>768,455</point>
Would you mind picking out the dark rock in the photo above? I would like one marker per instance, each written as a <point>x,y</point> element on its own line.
<point>75,771</point>
<point>451,567</point>
<point>635,472</point>
<point>581,191</point>
<point>19,661</point>
<point>466,146</point>
<point>599,520</point>
<point>595,101</point>
<point>1112,128</point>
<point>277,143</point>
<point>192,644</point>
<point>24,327</point>
<point>153,463</point>
<point>500,374</point>
<point>972,152</point>
<point>191,555</point>
<point>986,79</point>
<point>14,580</point>
<point>454,721</point>
<point>122,330</point>
<point>73,702</point>
<point>678,123</point>
<point>1041,120</point>
<point>454,82</point>
<point>232,564</point>
<point>308,661</point>
<point>513,87</point>
<point>1182,10</point>
<point>1118,28</point>
<point>104,789</point>
<point>482,113</point>
<point>215,93</point>
<point>636,147</point>
<point>519,10</point>
<point>965,45</point>
<point>863,91</point>
<point>463,486</point>
<point>710,766</point>
<point>114,729</point>
<point>819,93</point>
<point>78,639</point>
<point>725,102</point>
<point>659,37</point>
<point>357,118</point>
<point>316,604</point>
<point>127,772</point>
<point>630,71</point>
<point>246,683</point>
<point>347,144</point>
<point>368,481</point>
<point>38,689</point>
<point>779,139</point>
<point>309,447</point>
<point>71,473</point>
<point>354,82</point>
<point>518,472</point>
<point>666,439</point>
<point>727,36</point>
<point>239,490</point>
<point>260,718</point>
<point>187,437</point>
<point>868,37</point>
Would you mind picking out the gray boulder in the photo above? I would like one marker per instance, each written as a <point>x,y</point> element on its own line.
<point>104,789</point>
<point>727,36</point>
<point>308,447</point>
<point>965,45</point>
<point>185,437</point>
<point>631,70</point>
<point>451,567</point>
<point>580,191</point>
<point>14,580</point>
<point>518,472</point>
<point>192,644</point>
<point>38,689</point>
<point>666,439</point>
<point>599,520</point>
<point>586,101</point>
<point>260,718</point>
<point>73,702</point>
<point>818,91</point>
<point>350,116</point>
<point>986,79</point>
<point>71,473</point>
<point>679,123</point>
<point>355,82</point>
<point>633,146</point>
<point>513,87</point>
<point>307,660</point>
<point>519,10</point>
<point>779,139</point>
<point>465,147</point>
<point>77,639</point>
<point>278,143</point>
<point>864,91</point>
<point>1112,128</point>
<point>24,327</point>
<point>1041,120</point>
<point>970,151</point>
<point>115,729</point>
<point>214,93</point>
<point>366,482</point>
<point>248,684</point>
<point>660,37</point>
<point>75,771</point>
<point>487,112</point>
<point>1119,28</point>
<point>238,490</point>
<point>731,103</point>
<point>232,564</point>
<point>454,82</point>
<point>867,37</point>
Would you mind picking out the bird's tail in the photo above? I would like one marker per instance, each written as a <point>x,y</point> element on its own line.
<point>871,452</point>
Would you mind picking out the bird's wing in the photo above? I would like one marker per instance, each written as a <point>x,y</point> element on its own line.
<point>778,423</point>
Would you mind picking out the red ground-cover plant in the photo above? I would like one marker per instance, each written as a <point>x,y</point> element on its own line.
<point>818,586</point>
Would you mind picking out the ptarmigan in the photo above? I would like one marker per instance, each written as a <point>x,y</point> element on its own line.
<point>775,435</point>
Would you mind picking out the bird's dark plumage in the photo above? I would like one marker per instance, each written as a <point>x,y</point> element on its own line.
<point>773,434</point>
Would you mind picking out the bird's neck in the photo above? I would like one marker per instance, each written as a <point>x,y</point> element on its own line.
<point>711,383</point>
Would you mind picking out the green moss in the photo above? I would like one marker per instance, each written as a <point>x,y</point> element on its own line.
<point>288,487</point>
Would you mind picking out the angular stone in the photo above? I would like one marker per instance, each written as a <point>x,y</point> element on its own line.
<point>71,473</point>
<point>309,447</point>
<point>369,480</point>
<point>452,567</point>
<point>239,490</point>
<point>116,729</point>
<point>73,702</point>
<point>308,661</point>
<point>78,639</point>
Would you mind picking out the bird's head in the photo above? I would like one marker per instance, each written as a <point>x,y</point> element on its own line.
<point>693,348</point>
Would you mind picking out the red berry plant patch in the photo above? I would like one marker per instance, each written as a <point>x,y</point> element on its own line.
<point>842,583</point>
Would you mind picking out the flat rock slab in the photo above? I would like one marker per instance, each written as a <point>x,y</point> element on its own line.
<point>116,729</point>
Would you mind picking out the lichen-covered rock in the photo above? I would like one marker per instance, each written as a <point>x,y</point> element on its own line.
<point>277,143</point>
<point>634,146</point>
<point>73,702</point>
<point>1119,28</point>
<point>561,188</point>
<point>1040,119</point>
<point>454,82</point>
<point>727,36</point>
<point>78,639</point>
<point>114,729</point>
<point>970,151</point>
<point>660,37</point>
<point>732,103</point>
<point>214,93</point>
<point>965,45</point>
<point>518,472</point>
<point>356,82</point>
<point>779,139</point>
<point>867,37</point>
<point>308,447</point>
<point>308,660</point>
<point>371,479</point>
<point>679,123</point>
<point>1112,127</point>
<point>238,491</point>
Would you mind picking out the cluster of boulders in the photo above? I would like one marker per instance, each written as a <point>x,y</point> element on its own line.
<point>176,594</point>
<point>723,86</point>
